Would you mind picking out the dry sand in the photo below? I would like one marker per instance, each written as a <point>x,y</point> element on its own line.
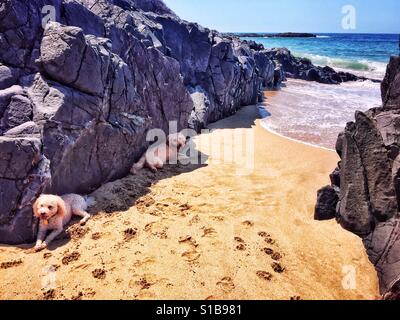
<point>203,232</point>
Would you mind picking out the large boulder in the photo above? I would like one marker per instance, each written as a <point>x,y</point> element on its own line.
<point>326,204</point>
<point>368,183</point>
<point>302,68</point>
<point>18,111</point>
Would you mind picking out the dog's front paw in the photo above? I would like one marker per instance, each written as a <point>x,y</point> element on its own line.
<point>40,247</point>
<point>84,221</point>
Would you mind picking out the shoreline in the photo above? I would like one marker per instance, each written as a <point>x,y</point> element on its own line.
<point>269,95</point>
<point>315,114</point>
<point>204,232</point>
<point>293,139</point>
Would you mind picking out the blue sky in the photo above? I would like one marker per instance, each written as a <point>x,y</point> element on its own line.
<point>373,16</point>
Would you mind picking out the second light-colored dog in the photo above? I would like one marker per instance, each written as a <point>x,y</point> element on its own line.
<point>158,155</point>
<point>54,213</point>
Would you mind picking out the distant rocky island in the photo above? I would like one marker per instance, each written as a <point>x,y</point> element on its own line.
<point>274,35</point>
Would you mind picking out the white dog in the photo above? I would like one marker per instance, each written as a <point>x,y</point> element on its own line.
<point>156,156</point>
<point>55,212</point>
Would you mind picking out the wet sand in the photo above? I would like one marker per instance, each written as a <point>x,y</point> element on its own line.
<point>211,231</point>
<point>316,113</point>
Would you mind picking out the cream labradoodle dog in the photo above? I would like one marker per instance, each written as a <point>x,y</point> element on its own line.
<point>55,212</point>
<point>158,155</point>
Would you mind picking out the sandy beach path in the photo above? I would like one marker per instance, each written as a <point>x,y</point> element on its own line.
<point>204,232</point>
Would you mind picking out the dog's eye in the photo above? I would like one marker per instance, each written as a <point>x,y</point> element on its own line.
<point>50,207</point>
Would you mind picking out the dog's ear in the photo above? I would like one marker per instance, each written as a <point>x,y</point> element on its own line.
<point>35,208</point>
<point>61,209</point>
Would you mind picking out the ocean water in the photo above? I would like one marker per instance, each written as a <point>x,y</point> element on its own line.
<point>316,113</point>
<point>365,54</point>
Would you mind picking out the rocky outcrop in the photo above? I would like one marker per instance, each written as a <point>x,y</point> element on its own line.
<point>365,193</point>
<point>302,68</point>
<point>79,94</point>
<point>275,35</point>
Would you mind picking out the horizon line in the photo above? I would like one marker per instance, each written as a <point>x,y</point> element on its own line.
<point>273,32</point>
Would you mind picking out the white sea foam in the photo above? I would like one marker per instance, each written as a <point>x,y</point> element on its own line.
<point>363,67</point>
<point>316,113</point>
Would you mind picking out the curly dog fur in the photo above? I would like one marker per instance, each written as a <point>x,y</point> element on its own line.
<point>54,213</point>
<point>156,156</point>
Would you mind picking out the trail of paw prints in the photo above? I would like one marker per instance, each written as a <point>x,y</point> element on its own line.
<point>272,252</point>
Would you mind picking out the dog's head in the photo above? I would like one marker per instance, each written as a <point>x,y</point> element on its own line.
<point>177,140</point>
<point>48,206</point>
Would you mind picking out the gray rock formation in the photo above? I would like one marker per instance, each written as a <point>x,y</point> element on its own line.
<point>275,35</point>
<point>302,68</point>
<point>365,193</point>
<point>78,96</point>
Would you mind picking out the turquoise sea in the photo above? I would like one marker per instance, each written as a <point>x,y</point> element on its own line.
<point>316,113</point>
<point>367,54</point>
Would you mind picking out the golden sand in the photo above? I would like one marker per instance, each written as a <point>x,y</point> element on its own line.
<point>211,232</point>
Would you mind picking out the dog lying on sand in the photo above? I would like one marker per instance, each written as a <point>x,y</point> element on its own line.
<point>55,212</point>
<point>158,155</point>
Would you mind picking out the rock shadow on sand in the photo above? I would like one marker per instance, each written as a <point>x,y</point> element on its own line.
<point>122,194</point>
<point>119,196</point>
<point>245,118</point>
